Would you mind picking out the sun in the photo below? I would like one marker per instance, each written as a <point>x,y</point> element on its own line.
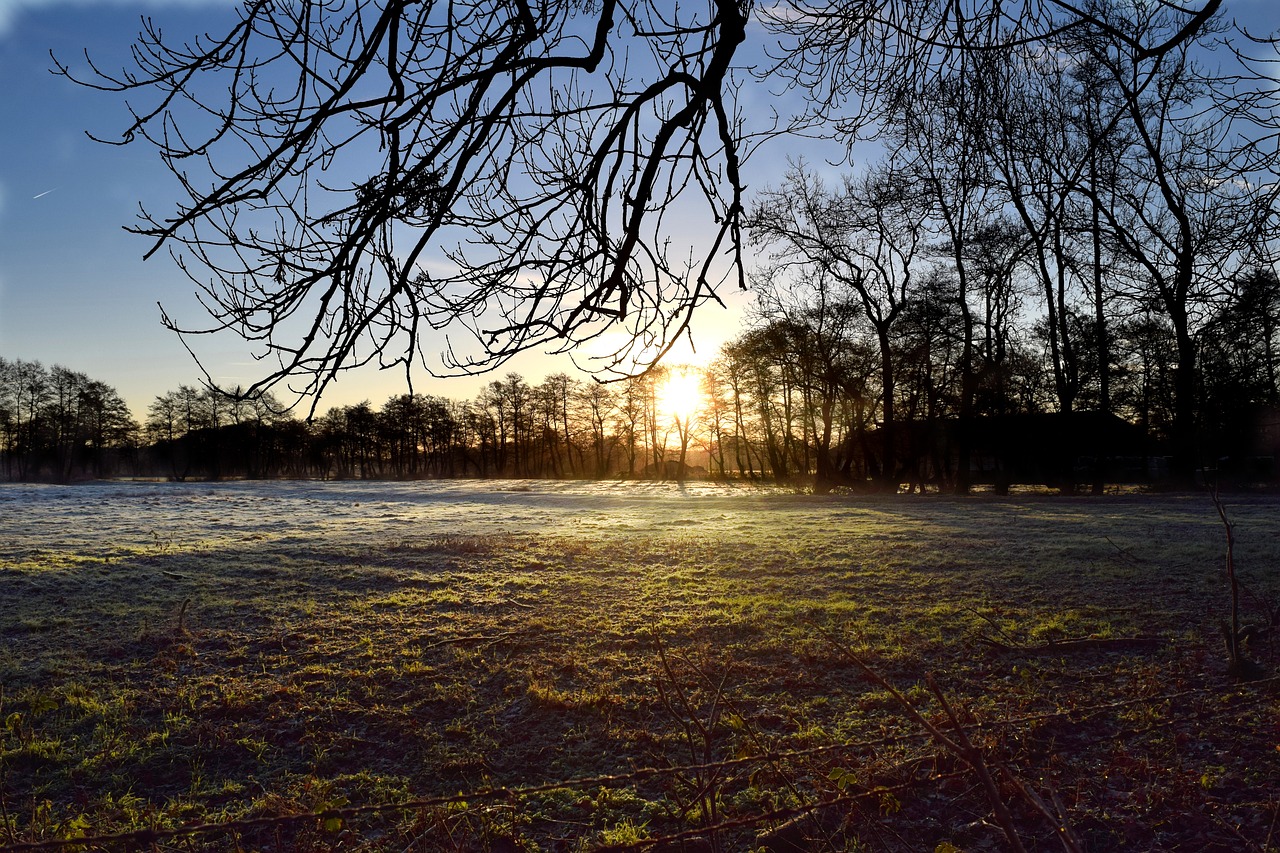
<point>680,395</point>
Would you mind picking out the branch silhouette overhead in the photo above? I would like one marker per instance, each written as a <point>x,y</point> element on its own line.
<point>514,174</point>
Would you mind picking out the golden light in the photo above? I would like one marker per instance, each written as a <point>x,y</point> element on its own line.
<point>680,395</point>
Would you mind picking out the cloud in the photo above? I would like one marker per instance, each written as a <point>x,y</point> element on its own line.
<point>11,9</point>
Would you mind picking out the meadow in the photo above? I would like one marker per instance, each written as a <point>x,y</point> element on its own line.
<point>568,666</point>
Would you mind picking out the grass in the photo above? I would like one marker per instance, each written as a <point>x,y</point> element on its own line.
<point>177,680</point>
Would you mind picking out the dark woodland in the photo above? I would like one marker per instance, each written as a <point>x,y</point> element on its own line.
<point>787,401</point>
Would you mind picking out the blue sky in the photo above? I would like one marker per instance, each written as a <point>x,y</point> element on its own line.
<point>73,287</point>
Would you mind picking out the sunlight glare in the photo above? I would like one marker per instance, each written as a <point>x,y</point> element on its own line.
<point>680,395</point>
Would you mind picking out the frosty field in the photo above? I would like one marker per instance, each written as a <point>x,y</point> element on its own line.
<point>502,665</point>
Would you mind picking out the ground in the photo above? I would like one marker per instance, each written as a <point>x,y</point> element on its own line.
<point>571,666</point>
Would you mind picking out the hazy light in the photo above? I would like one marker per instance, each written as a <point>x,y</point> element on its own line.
<point>680,395</point>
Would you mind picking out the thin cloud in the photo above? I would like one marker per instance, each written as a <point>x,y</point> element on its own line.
<point>11,9</point>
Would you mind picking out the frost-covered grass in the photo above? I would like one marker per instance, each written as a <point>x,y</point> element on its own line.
<point>174,654</point>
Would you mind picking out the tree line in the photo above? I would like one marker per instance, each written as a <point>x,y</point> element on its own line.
<point>1059,227</point>
<point>58,424</point>
<point>796,397</point>
<point>812,387</point>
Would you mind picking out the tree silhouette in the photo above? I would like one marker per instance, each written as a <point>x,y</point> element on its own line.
<point>359,172</point>
<point>862,239</point>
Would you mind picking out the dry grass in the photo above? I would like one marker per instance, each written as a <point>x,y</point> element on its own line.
<point>186,680</point>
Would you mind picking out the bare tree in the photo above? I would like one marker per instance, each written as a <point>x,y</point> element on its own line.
<point>863,239</point>
<point>630,418</point>
<point>175,421</point>
<point>727,374</point>
<point>596,403</point>
<point>821,326</point>
<point>1180,211</point>
<point>359,172</point>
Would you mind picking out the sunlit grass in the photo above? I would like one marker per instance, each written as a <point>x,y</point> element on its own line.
<point>203,682</point>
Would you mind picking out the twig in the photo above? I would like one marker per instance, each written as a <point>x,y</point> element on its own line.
<point>1079,644</point>
<point>4,778</point>
<point>985,618</point>
<point>1125,552</point>
<point>961,747</point>
<point>1225,824</point>
<point>972,756</point>
<point>704,785</point>
<point>492,639</point>
<point>1058,816</point>
<point>182,617</point>
<point>1239,666</point>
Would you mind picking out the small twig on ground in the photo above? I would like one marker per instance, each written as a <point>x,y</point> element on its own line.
<point>1056,816</point>
<point>182,617</point>
<point>1229,827</point>
<point>705,787</point>
<point>972,756</point>
<point>493,639</point>
<point>1125,552</point>
<point>992,622</point>
<point>1239,664</point>
<point>4,789</point>
<point>1080,644</point>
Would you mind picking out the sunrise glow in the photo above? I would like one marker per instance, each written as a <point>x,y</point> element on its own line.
<point>680,394</point>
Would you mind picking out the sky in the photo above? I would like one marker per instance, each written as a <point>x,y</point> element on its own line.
<point>74,289</point>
